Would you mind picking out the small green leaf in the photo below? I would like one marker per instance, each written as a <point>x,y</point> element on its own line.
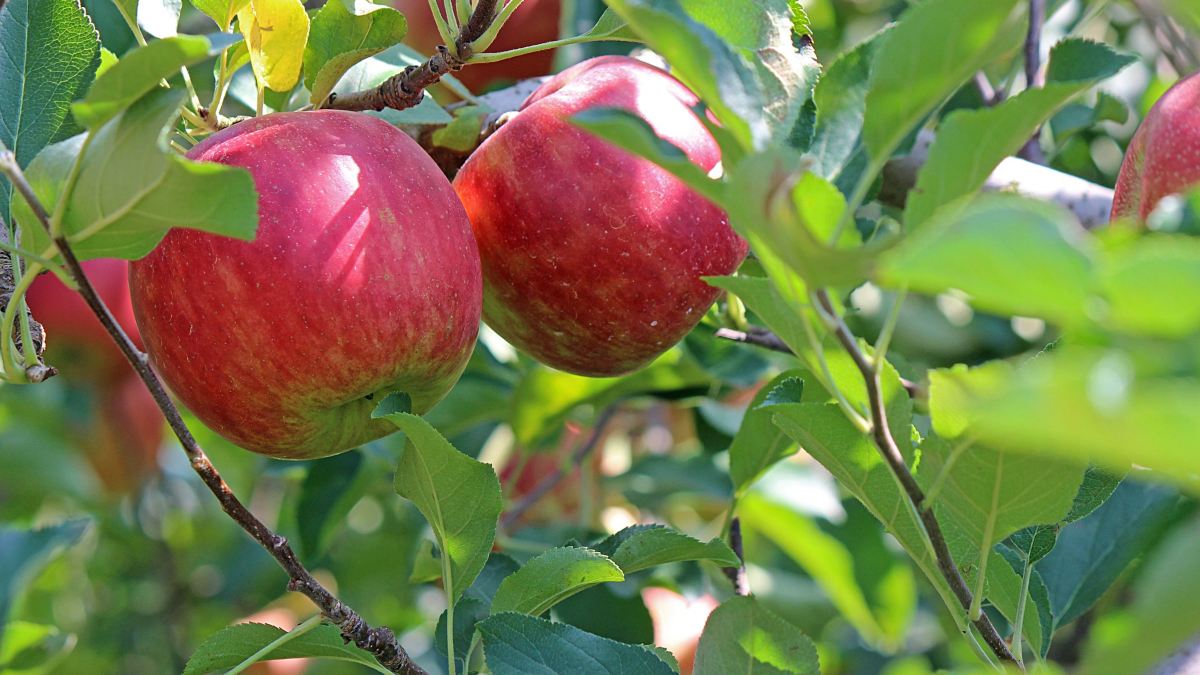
<point>741,636</point>
<point>759,444</point>
<point>463,133</point>
<point>132,189</point>
<point>32,647</point>
<point>234,644</point>
<point>971,143</point>
<point>934,48</point>
<point>552,577</point>
<point>517,644</point>
<point>24,553</point>
<point>51,50</point>
<point>837,148</point>
<point>973,248</point>
<point>610,27</point>
<point>343,33</point>
<point>640,547</point>
<point>633,134</point>
<point>137,73</point>
<point>459,496</point>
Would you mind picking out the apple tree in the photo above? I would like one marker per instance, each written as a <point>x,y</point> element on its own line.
<point>634,336</point>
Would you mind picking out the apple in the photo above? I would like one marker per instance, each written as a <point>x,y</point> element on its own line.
<point>363,280</point>
<point>593,257</point>
<point>1164,156</point>
<point>525,470</point>
<point>76,342</point>
<point>122,444</point>
<point>678,622</point>
<point>534,22</point>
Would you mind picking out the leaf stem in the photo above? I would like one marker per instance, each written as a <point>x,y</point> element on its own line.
<point>440,20</point>
<point>64,197</point>
<point>1019,621</point>
<point>17,304</point>
<point>309,624</point>
<point>489,36</point>
<point>884,341</point>
<point>492,57</point>
<point>448,585</point>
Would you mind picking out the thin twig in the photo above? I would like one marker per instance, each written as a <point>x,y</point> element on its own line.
<point>987,91</point>
<point>737,575</point>
<point>549,482</point>
<point>763,337</point>
<point>1034,77</point>
<point>407,88</point>
<point>381,642</point>
<point>881,433</point>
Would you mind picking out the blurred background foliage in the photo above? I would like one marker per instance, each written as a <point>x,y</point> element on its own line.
<point>159,567</point>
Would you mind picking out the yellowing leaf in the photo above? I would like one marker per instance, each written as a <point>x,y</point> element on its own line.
<point>276,32</point>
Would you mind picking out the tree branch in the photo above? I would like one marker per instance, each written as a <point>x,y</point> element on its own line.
<point>881,433</point>
<point>380,642</point>
<point>1034,78</point>
<point>737,575</point>
<point>549,482</point>
<point>407,88</point>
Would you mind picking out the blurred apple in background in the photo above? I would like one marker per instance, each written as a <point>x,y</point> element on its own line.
<point>678,622</point>
<point>123,434</point>
<point>534,22</point>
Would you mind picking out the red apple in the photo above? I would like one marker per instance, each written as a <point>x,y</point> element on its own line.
<point>122,446</point>
<point>534,22</point>
<point>363,280</point>
<point>1164,156</point>
<point>592,257</point>
<point>76,342</point>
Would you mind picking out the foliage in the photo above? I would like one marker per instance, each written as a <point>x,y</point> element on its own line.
<point>905,385</point>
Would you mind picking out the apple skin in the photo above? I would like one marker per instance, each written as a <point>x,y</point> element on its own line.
<point>363,280</point>
<point>534,22</point>
<point>1164,156</point>
<point>76,342</point>
<point>593,257</point>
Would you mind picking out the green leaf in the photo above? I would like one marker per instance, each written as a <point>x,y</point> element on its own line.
<point>613,612</point>
<point>51,51</point>
<point>1143,282</point>
<point>1162,616</point>
<point>463,133</point>
<point>137,73</point>
<point>326,496</point>
<point>762,298</point>
<point>231,645</point>
<point>344,32</point>
<point>924,58</point>
<point>640,547</point>
<point>468,612</point>
<point>545,397</point>
<point>633,134</point>
<point>718,74</point>
<point>823,431</point>
<point>610,27</point>
<point>552,577</point>
<point>516,644</point>
<point>971,143</point>
<point>787,70</point>
<point>24,553</point>
<point>831,564</point>
<point>459,496</point>
<point>973,247</point>
<point>741,636</point>
<point>989,494</point>
<point>837,150</point>
<point>32,647</point>
<point>221,11</point>
<point>759,444</point>
<point>1094,552</point>
<point>132,189</point>
<point>1083,405</point>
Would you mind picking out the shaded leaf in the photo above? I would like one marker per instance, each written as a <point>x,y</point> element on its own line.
<point>24,553</point>
<point>517,644</point>
<point>552,577</point>
<point>231,645</point>
<point>743,637</point>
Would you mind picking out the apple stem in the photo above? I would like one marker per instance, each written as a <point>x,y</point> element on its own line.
<point>380,642</point>
<point>881,434</point>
